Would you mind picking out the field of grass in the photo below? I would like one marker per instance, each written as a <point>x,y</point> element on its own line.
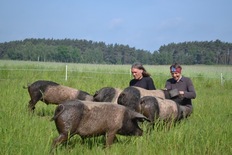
<point>207,131</point>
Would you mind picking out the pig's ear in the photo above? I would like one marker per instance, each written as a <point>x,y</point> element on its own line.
<point>96,93</point>
<point>139,117</point>
<point>121,98</point>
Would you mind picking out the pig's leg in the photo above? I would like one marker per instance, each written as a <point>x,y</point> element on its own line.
<point>31,104</point>
<point>35,97</point>
<point>110,136</point>
<point>62,138</point>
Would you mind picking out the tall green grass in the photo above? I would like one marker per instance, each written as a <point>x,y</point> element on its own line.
<point>206,131</point>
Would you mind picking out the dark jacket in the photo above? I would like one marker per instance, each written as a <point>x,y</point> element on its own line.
<point>145,82</point>
<point>184,84</point>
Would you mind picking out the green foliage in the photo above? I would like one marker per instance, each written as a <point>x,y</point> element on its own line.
<point>67,50</point>
<point>188,53</point>
<point>83,51</point>
<point>206,131</point>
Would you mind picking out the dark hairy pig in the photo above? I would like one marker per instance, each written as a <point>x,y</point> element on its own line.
<point>130,97</point>
<point>87,119</point>
<point>51,92</point>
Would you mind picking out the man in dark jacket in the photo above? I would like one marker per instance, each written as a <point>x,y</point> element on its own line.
<point>141,77</point>
<point>185,87</point>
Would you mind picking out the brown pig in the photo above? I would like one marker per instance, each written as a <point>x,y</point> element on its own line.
<point>150,104</point>
<point>161,93</point>
<point>157,108</point>
<point>157,93</point>
<point>89,119</point>
<point>150,109</point>
<point>51,92</point>
<point>130,96</point>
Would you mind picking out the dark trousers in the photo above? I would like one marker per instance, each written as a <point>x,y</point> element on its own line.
<point>185,111</point>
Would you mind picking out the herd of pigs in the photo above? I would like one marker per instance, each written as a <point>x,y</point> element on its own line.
<point>108,112</point>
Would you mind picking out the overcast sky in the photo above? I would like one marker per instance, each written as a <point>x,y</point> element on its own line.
<point>143,24</point>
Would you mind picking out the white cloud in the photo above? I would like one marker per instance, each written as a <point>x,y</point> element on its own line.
<point>115,23</point>
<point>170,23</point>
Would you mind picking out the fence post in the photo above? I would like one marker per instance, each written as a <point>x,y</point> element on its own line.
<point>66,73</point>
<point>222,79</point>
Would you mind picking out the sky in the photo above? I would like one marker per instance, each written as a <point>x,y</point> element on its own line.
<point>142,24</point>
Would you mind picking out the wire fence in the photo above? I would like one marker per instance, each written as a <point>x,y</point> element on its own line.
<point>67,73</point>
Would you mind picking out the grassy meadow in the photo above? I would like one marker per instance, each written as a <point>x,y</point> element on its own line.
<point>207,131</point>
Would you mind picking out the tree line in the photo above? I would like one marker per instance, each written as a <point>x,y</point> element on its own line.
<point>87,51</point>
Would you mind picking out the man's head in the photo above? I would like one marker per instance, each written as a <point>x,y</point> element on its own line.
<point>175,71</point>
<point>137,70</point>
